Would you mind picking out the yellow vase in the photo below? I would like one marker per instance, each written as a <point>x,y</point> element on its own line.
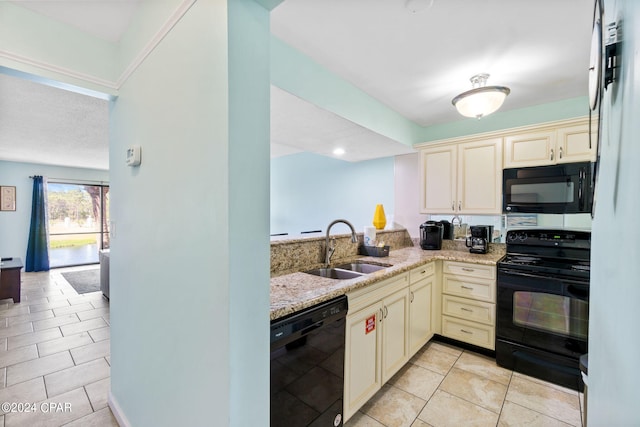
<point>379,219</point>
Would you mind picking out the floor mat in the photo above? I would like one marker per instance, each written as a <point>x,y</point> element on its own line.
<point>84,281</point>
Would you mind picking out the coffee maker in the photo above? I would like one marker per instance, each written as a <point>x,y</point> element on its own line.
<point>480,238</point>
<point>431,233</point>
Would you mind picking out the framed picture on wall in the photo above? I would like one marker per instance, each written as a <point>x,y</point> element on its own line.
<point>7,198</point>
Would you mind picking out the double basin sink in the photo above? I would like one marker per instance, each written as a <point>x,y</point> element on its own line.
<point>348,271</point>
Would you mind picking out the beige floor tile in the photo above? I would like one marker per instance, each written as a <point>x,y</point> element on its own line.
<point>435,360</point>
<point>475,389</point>
<point>91,351</point>
<point>98,393</point>
<point>393,407</point>
<point>100,334</point>
<point>72,309</point>
<point>3,344</point>
<point>545,383</point>
<point>76,376</point>
<point>50,305</point>
<point>483,366</point>
<point>76,328</point>
<point>419,423</point>
<point>93,313</point>
<point>446,410</point>
<point>417,380</point>
<point>444,347</point>
<point>86,298</point>
<point>53,412</point>
<point>14,310</point>
<point>108,360</point>
<point>544,399</point>
<point>28,391</point>
<point>64,343</point>
<point>100,303</point>
<point>19,329</point>
<point>30,317</point>
<point>362,420</point>
<point>33,338</point>
<point>101,418</point>
<point>513,415</point>
<point>38,367</point>
<point>18,355</point>
<point>3,379</point>
<point>55,322</point>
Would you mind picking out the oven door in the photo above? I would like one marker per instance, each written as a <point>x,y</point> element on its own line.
<point>546,313</point>
<point>548,189</point>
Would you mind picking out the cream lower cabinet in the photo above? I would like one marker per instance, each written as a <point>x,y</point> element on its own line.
<point>377,339</point>
<point>421,287</point>
<point>462,178</point>
<point>469,303</point>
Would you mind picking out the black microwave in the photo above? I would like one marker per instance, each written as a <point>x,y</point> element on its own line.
<point>557,189</point>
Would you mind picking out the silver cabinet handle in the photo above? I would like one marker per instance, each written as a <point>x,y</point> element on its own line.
<point>551,158</point>
<point>466,309</point>
<point>466,332</point>
<point>386,311</point>
<point>411,299</point>
<point>466,287</point>
<point>453,206</point>
<point>467,269</point>
<point>381,315</point>
<point>459,205</point>
<point>560,152</point>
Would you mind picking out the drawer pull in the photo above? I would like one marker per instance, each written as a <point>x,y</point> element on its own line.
<point>467,269</point>
<point>411,297</point>
<point>466,332</point>
<point>467,287</point>
<point>466,309</point>
<point>381,315</point>
<point>423,271</point>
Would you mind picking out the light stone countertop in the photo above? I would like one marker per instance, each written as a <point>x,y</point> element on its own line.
<point>293,292</point>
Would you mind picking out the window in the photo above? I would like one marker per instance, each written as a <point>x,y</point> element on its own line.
<point>78,223</point>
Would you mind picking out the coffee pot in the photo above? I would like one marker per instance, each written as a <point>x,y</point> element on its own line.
<point>478,242</point>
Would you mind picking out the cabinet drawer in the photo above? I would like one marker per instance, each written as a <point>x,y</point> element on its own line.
<point>469,332</point>
<point>475,311</point>
<point>479,271</point>
<point>483,290</point>
<point>421,272</point>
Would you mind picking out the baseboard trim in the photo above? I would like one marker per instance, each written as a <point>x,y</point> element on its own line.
<point>117,411</point>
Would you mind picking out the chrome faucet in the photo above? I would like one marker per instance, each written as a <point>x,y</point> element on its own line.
<point>331,248</point>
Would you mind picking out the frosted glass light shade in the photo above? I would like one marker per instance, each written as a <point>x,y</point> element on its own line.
<point>480,102</point>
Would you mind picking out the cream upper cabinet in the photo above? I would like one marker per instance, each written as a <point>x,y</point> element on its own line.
<point>462,178</point>
<point>564,143</point>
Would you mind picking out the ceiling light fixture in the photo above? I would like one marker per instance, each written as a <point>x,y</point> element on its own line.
<point>338,151</point>
<point>481,100</point>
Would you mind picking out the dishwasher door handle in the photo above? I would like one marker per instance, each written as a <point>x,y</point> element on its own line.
<point>310,328</point>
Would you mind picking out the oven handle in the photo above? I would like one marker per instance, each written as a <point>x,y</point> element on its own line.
<point>581,192</point>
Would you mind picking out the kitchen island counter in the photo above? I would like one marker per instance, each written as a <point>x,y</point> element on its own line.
<point>296,291</point>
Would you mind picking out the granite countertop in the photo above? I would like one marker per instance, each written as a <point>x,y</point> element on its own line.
<point>296,291</point>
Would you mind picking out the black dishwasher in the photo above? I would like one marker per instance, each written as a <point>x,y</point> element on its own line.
<point>307,366</point>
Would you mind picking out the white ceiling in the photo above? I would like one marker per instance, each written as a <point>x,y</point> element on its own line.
<point>414,63</point>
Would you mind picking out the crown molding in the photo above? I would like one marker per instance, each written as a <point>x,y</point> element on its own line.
<point>114,86</point>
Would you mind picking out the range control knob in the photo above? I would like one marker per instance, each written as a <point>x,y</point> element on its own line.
<point>522,236</point>
<point>512,236</point>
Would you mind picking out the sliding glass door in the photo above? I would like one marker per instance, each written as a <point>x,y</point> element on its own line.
<point>78,223</point>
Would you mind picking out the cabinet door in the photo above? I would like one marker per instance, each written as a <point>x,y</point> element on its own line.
<point>574,145</point>
<point>395,333</point>
<point>420,330</point>
<point>480,177</point>
<point>438,179</point>
<point>530,149</point>
<point>362,357</point>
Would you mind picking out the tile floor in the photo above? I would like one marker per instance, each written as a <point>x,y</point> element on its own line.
<point>54,355</point>
<point>446,386</point>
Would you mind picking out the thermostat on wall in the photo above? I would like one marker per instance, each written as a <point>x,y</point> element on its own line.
<point>133,155</point>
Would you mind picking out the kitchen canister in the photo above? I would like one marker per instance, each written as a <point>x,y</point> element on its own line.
<point>369,236</point>
<point>379,219</point>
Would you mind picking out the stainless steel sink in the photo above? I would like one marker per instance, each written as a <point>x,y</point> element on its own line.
<point>347,271</point>
<point>362,267</point>
<point>334,273</point>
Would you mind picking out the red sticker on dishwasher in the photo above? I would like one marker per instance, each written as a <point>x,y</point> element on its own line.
<point>370,324</point>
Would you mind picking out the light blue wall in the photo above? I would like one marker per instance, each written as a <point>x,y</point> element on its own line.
<point>189,326</point>
<point>14,226</point>
<point>614,341</point>
<point>560,110</point>
<point>308,191</point>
